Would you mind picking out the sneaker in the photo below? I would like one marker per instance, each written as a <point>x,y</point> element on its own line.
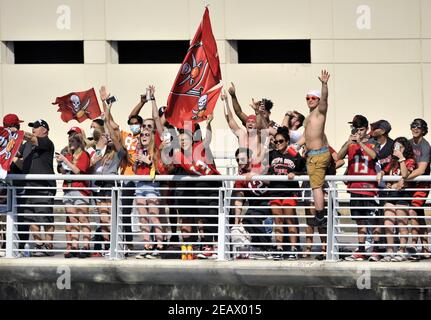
<point>84,253</point>
<point>387,258</point>
<point>399,257</point>
<point>320,257</point>
<point>207,253</point>
<point>96,255</point>
<point>258,255</point>
<point>375,257</point>
<point>39,253</point>
<point>412,254</point>
<point>293,256</point>
<point>356,256</point>
<point>279,255</point>
<point>153,255</point>
<point>48,251</point>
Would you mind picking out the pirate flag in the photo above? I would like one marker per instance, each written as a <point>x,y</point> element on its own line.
<point>193,95</point>
<point>78,106</point>
<point>9,145</point>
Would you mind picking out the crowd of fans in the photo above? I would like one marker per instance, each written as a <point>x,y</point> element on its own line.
<point>153,147</point>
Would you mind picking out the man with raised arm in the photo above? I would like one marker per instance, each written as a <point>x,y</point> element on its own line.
<point>316,143</point>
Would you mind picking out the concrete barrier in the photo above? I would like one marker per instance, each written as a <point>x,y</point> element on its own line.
<point>48,278</point>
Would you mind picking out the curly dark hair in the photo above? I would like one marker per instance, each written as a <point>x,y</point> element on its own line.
<point>268,104</point>
<point>284,131</point>
<point>408,147</point>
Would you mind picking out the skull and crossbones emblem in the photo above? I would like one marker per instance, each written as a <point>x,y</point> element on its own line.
<point>191,72</point>
<point>6,145</point>
<point>77,107</point>
<point>201,107</point>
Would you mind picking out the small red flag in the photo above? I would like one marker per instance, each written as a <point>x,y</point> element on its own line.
<point>78,106</point>
<point>9,145</point>
<point>199,74</point>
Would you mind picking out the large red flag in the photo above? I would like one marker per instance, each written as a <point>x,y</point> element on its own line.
<point>78,106</point>
<point>9,145</point>
<point>193,95</point>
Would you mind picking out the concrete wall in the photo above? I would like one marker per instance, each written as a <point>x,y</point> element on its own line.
<point>378,52</point>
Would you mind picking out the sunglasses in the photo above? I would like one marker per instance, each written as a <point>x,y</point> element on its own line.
<point>311,98</point>
<point>149,126</point>
<point>242,160</point>
<point>146,134</point>
<point>415,126</point>
<point>279,141</point>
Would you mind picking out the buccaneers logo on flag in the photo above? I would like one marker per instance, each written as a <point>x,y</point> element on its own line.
<point>78,105</point>
<point>193,95</point>
<point>9,145</point>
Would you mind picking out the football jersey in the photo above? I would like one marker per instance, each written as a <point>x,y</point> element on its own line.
<point>361,164</point>
<point>283,164</point>
<point>130,142</point>
<point>197,162</point>
<point>254,190</point>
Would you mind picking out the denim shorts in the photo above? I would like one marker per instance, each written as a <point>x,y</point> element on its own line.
<point>75,198</point>
<point>147,189</point>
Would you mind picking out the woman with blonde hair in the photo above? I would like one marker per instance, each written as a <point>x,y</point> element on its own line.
<point>75,160</point>
<point>148,163</point>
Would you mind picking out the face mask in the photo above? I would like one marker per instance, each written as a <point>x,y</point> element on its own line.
<point>90,135</point>
<point>135,128</point>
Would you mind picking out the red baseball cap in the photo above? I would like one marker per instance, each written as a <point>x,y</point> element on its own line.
<point>74,129</point>
<point>251,117</point>
<point>11,120</point>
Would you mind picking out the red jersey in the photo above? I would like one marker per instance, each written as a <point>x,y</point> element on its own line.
<point>395,170</point>
<point>144,169</point>
<point>196,163</point>
<point>83,164</point>
<point>361,164</point>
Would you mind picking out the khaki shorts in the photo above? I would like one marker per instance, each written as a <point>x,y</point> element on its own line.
<point>316,168</point>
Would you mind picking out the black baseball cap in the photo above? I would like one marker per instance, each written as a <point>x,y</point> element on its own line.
<point>382,124</point>
<point>39,123</point>
<point>359,121</point>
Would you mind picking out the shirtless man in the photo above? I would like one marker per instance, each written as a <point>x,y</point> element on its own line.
<point>316,143</point>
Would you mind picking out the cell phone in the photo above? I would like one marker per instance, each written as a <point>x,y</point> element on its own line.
<point>111,100</point>
<point>397,146</point>
<point>148,94</point>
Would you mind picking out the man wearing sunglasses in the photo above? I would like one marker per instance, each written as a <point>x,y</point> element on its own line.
<point>316,143</point>
<point>422,150</point>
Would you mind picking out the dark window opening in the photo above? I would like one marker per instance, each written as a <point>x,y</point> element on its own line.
<point>274,51</point>
<point>30,52</point>
<point>152,51</point>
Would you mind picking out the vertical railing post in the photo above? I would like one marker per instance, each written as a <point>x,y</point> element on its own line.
<point>331,245</point>
<point>114,243</point>
<point>11,219</point>
<point>221,249</point>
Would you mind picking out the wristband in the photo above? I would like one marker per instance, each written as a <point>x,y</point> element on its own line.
<point>402,160</point>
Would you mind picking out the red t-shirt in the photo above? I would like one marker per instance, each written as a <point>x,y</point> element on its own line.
<point>83,164</point>
<point>395,170</point>
<point>196,163</point>
<point>361,164</point>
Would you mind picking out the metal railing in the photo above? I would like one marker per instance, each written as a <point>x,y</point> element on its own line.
<point>195,217</point>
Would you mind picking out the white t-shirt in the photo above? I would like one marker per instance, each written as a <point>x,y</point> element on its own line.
<point>295,135</point>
